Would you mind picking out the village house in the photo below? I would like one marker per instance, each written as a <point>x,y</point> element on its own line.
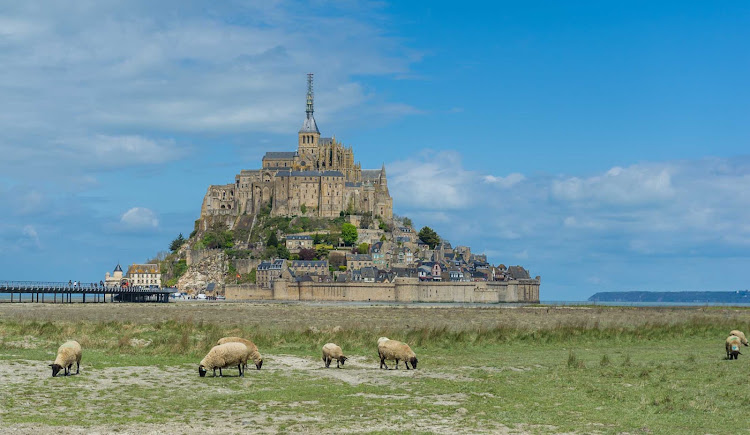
<point>309,267</point>
<point>296,242</point>
<point>269,271</point>
<point>358,261</point>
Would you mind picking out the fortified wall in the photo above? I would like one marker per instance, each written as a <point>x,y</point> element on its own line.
<point>401,290</point>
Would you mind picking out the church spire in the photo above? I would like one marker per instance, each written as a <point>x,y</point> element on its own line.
<point>309,126</point>
<point>310,96</point>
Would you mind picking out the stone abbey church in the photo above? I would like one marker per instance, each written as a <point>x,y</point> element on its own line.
<point>320,179</point>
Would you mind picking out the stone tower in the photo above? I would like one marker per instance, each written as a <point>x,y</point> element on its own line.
<point>309,135</point>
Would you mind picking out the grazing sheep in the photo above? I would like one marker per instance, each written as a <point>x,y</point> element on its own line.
<point>223,356</point>
<point>254,354</point>
<point>395,350</point>
<point>67,354</point>
<point>733,346</point>
<point>739,334</point>
<point>333,352</point>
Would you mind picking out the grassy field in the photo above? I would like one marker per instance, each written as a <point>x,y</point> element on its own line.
<point>502,370</point>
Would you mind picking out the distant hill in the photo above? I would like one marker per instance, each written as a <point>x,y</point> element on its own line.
<point>740,296</point>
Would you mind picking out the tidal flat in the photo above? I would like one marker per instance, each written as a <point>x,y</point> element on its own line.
<point>496,369</point>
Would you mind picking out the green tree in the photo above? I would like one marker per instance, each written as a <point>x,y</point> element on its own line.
<point>303,208</point>
<point>382,238</point>
<point>321,251</point>
<point>363,248</point>
<point>407,222</point>
<point>176,243</point>
<point>283,252</point>
<point>429,236</point>
<point>349,233</point>
<point>317,239</point>
<point>218,237</point>
<point>252,276</point>
<point>272,239</point>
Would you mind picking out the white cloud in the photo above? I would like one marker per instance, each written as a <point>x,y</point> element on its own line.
<point>31,235</point>
<point>84,81</point>
<point>119,151</point>
<point>505,182</point>
<point>632,185</point>
<point>432,181</point>
<point>139,218</point>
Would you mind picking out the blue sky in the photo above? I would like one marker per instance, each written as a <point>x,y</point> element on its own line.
<point>602,145</point>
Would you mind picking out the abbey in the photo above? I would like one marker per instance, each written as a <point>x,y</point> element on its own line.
<point>320,179</point>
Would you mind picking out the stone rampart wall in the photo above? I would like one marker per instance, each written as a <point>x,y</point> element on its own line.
<point>402,290</point>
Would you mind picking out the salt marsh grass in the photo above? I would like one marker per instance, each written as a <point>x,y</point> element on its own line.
<point>535,369</point>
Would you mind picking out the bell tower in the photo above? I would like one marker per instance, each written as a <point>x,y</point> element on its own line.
<point>309,135</point>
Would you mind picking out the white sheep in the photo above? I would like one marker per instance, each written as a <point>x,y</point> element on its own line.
<point>739,334</point>
<point>254,354</point>
<point>395,350</point>
<point>733,346</point>
<point>223,356</point>
<point>67,354</point>
<point>332,352</point>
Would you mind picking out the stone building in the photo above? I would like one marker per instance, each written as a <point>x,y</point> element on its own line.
<point>269,271</point>
<point>320,179</point>
<point>144,275</point>
<point>296,242</point>
<point>115,279</point>
<point>309,267</point>
<point>358,261</point>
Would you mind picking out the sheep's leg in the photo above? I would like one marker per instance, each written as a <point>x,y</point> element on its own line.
<point>78,367</point>
<point>221,375</point>
<point>406,363</point>
<point>242,374</point>
<point>214,371</point>
<point>396,364</point>
<point>382,363</point>
<point>328,362</point>
<point>337,364</point>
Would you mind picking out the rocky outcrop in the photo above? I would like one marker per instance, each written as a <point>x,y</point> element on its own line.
<point>211,266</point>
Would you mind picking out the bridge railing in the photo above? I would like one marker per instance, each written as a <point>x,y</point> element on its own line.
<point>64,287</point>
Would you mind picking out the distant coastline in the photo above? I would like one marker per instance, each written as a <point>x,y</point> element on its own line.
<point>731,297</point>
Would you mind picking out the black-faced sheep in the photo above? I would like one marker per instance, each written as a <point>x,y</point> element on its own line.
<point>733,346</point>
<point>395,350</point>
<point>67,354</point>
<point>223,356</point>
<point>741,336</point>
<point>332,352</point>
<point>254,354</point>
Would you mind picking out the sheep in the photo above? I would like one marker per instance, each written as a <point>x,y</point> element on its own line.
<point>67,354</point>
<point>223,356</point>
<point>332,352</point>
<point>741,336</point>
<point>733,346</point>
<point>254,354</point>
<point>395,350</point>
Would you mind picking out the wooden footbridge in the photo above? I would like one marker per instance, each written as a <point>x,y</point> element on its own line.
<point>61,292</point>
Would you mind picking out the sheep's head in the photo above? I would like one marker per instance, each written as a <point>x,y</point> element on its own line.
<point>259,364</point>
<point>413,362</point>
<point>201,371</point>
<point>342,360</point>
<point>55,369</point>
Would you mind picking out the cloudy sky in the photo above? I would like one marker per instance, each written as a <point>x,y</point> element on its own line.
<point>603,146</point>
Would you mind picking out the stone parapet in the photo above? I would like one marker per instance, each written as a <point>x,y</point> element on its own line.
<point>402,290</point>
